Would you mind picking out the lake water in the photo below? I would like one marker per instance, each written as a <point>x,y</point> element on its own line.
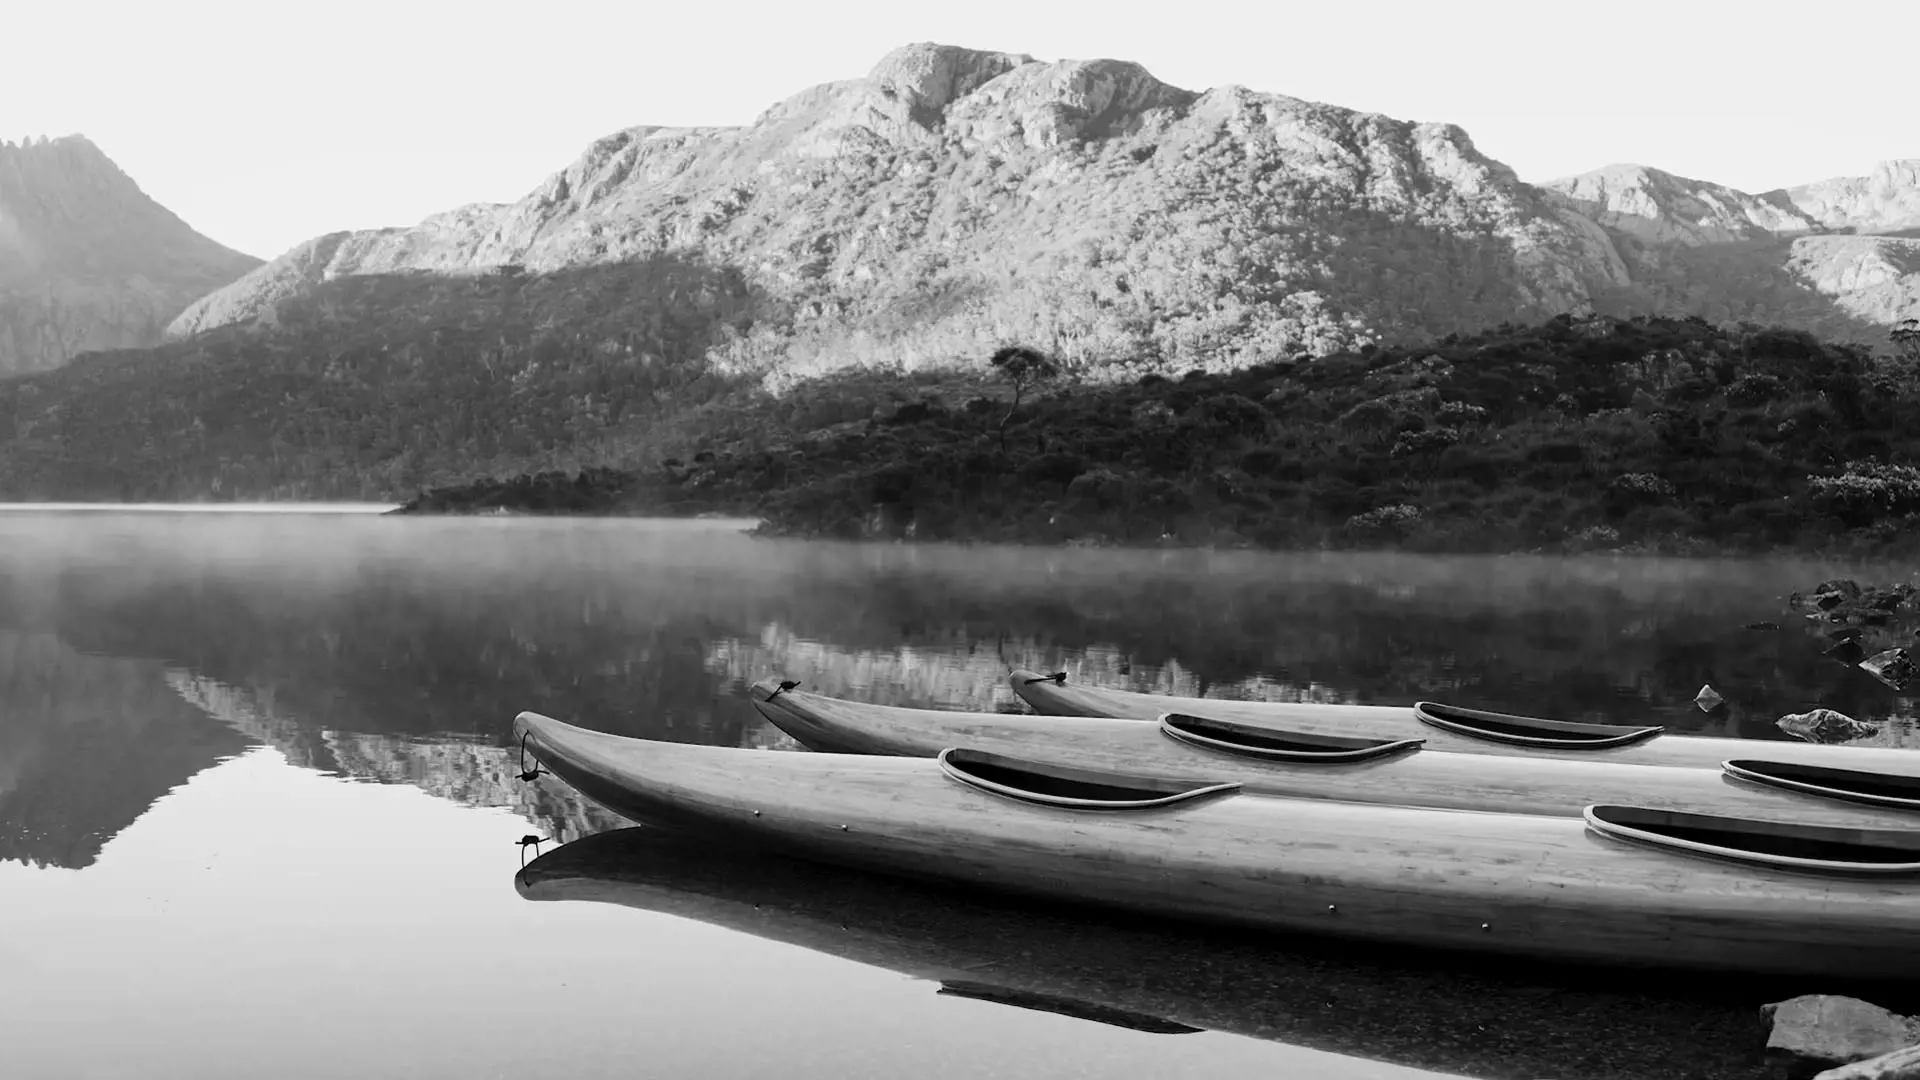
<point>258,813</point>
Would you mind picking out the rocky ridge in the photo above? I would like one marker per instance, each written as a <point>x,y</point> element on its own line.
<point>87,260</point>
<point>953,198</point>
<point>1837,239</point>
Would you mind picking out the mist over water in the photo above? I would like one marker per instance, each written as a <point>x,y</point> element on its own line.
<point>276,745</point>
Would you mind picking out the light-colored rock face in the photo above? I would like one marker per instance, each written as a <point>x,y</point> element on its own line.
<point>87,260</point>
<point>1657,207</point>
<point>1876,278</point>
<point>1886,200</point>
<point>953,198</point>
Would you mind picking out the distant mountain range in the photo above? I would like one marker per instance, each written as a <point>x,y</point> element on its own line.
<point>955,198</point>
<point>87,260</point>
<point>950,201</point>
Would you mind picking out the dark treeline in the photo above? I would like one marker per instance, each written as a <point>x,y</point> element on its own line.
<point>1664,434</point>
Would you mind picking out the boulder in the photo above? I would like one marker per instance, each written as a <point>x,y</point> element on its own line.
<point>1817,1031</point>
<point>1825,726</point>
<point>1893,667</point>
<point>1845,588</point>
<point>1889,598</point>
<point>1847,651</point>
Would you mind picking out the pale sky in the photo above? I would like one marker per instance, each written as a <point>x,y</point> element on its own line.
<point>263,123</point>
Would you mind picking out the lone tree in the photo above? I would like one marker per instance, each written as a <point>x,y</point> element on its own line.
<point>1906,339</point>
<point>1025,368</point>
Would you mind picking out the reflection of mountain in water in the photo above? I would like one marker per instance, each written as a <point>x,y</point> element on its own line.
<point>957,675</point>
<point>252,715</point>
<point>616,627</point>
<point>87,743</point>
<point>463,770</point>
<point>389,639</point>
<point>471,774</point>
<point>1602,639</point>
<point>410,655</point>
<point>970,675</point>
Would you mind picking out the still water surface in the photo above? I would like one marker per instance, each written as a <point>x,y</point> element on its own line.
<point>258,810</point>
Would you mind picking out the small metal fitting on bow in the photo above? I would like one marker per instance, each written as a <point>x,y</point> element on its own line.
<point>526,773</point>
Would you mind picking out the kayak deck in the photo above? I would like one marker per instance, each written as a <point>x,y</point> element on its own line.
<point>1273,758</point>
<point>1455,729</point>
<point>1278,758</point>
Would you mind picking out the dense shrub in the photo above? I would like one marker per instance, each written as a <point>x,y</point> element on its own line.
<point>1426,441</point>
<point>1868,491</point>
<point>1574,435</point>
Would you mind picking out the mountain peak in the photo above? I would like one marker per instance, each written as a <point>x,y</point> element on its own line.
<point>38,142</point>
<point>87,260</point>
<point>931,76</point>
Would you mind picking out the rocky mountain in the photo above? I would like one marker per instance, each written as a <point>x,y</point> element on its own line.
<point>1839,239</point>
<point>954,198</point>
<point>87,260</point>
<point>1659,208</point>
<point>1887,200</point>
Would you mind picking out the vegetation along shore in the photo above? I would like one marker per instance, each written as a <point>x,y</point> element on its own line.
<point>1647,434</point>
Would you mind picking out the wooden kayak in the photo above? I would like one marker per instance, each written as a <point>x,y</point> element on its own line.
<point>1150,975</point>
<point>1266,759</point>
<point>1459,730</point>
<point>1620,885</point>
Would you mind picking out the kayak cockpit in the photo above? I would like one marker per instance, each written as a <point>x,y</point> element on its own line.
<point>1854,785</point>
<point>1261,741</point>
<point>1530,730</point>
<point>1782,844</point>
<point>1060,785</point>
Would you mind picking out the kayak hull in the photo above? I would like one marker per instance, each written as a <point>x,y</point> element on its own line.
<point>1051,698</point>
<point>1496,883</point>
<point>1414,777</point>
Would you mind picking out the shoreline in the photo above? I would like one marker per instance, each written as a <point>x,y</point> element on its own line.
<point>249,507</point>
<point>760,527</point>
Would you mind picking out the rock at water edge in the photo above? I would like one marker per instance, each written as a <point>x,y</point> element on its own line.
<point>1823,1030</point>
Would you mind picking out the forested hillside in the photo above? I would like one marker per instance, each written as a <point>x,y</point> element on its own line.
<point>375,386</point>
<point>1574,434</point>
